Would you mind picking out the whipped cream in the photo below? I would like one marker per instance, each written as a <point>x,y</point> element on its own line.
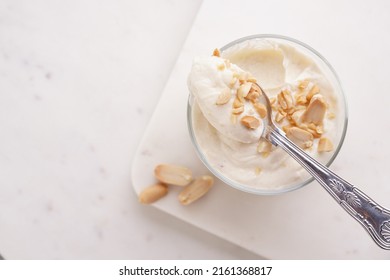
<point>231,148</point>
<point>209,77</point>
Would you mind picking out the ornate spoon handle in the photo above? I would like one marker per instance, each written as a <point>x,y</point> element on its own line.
<point>373,217</point>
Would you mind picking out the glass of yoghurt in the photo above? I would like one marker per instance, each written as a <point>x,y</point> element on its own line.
<point>225,121</point>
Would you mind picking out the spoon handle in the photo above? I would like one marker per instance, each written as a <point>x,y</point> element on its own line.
<point>373,217</point>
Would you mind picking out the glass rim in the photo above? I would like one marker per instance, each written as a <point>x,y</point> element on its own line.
<point>292,187</point>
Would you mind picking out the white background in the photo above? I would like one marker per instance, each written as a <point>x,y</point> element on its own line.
<point>79,81</point>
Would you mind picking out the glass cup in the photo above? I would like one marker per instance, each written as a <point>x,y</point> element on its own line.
<point>330,75</point>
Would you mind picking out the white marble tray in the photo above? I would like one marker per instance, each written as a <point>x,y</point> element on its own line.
<point>305,224</point>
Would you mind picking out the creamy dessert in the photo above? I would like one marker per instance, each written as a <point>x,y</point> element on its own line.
<point>227,116</point>
<point>219,93</point>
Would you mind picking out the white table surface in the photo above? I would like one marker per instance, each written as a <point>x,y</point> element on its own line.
<point>79,81</point>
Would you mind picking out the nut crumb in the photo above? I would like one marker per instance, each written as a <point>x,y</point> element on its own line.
<point>325,145</point>
<point>217,53</point>
<point>285,128</point>
<point>301,100</point>
<point>251,79</point>
<point>237,103</point>
<point>227,63</point>
<point>285,100</point>
<point>264,146</point>
<point>221,67</point>
<point>244,89</point>
<point>261,109</point>
<point>233,82</point>
<point>252,95</point>
<point>238,110</point>
<point>233,118</point>
<point>255,87</point>
<point>331,115</point>
<point>303,84</point>
<point>313,91</point>
<point>279,117</point>
<point>243,77</point>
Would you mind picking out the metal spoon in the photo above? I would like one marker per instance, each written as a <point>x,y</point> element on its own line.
<point>373,217</point>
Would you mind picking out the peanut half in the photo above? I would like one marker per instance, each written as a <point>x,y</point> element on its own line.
<point>250,122</point>
<point>198,188</point>
<point>316,110</point>
<point>300,137</point>
<point>153,193</point>
<point>173,174</point>
<point>243,90</point>
<point>224,97</point>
